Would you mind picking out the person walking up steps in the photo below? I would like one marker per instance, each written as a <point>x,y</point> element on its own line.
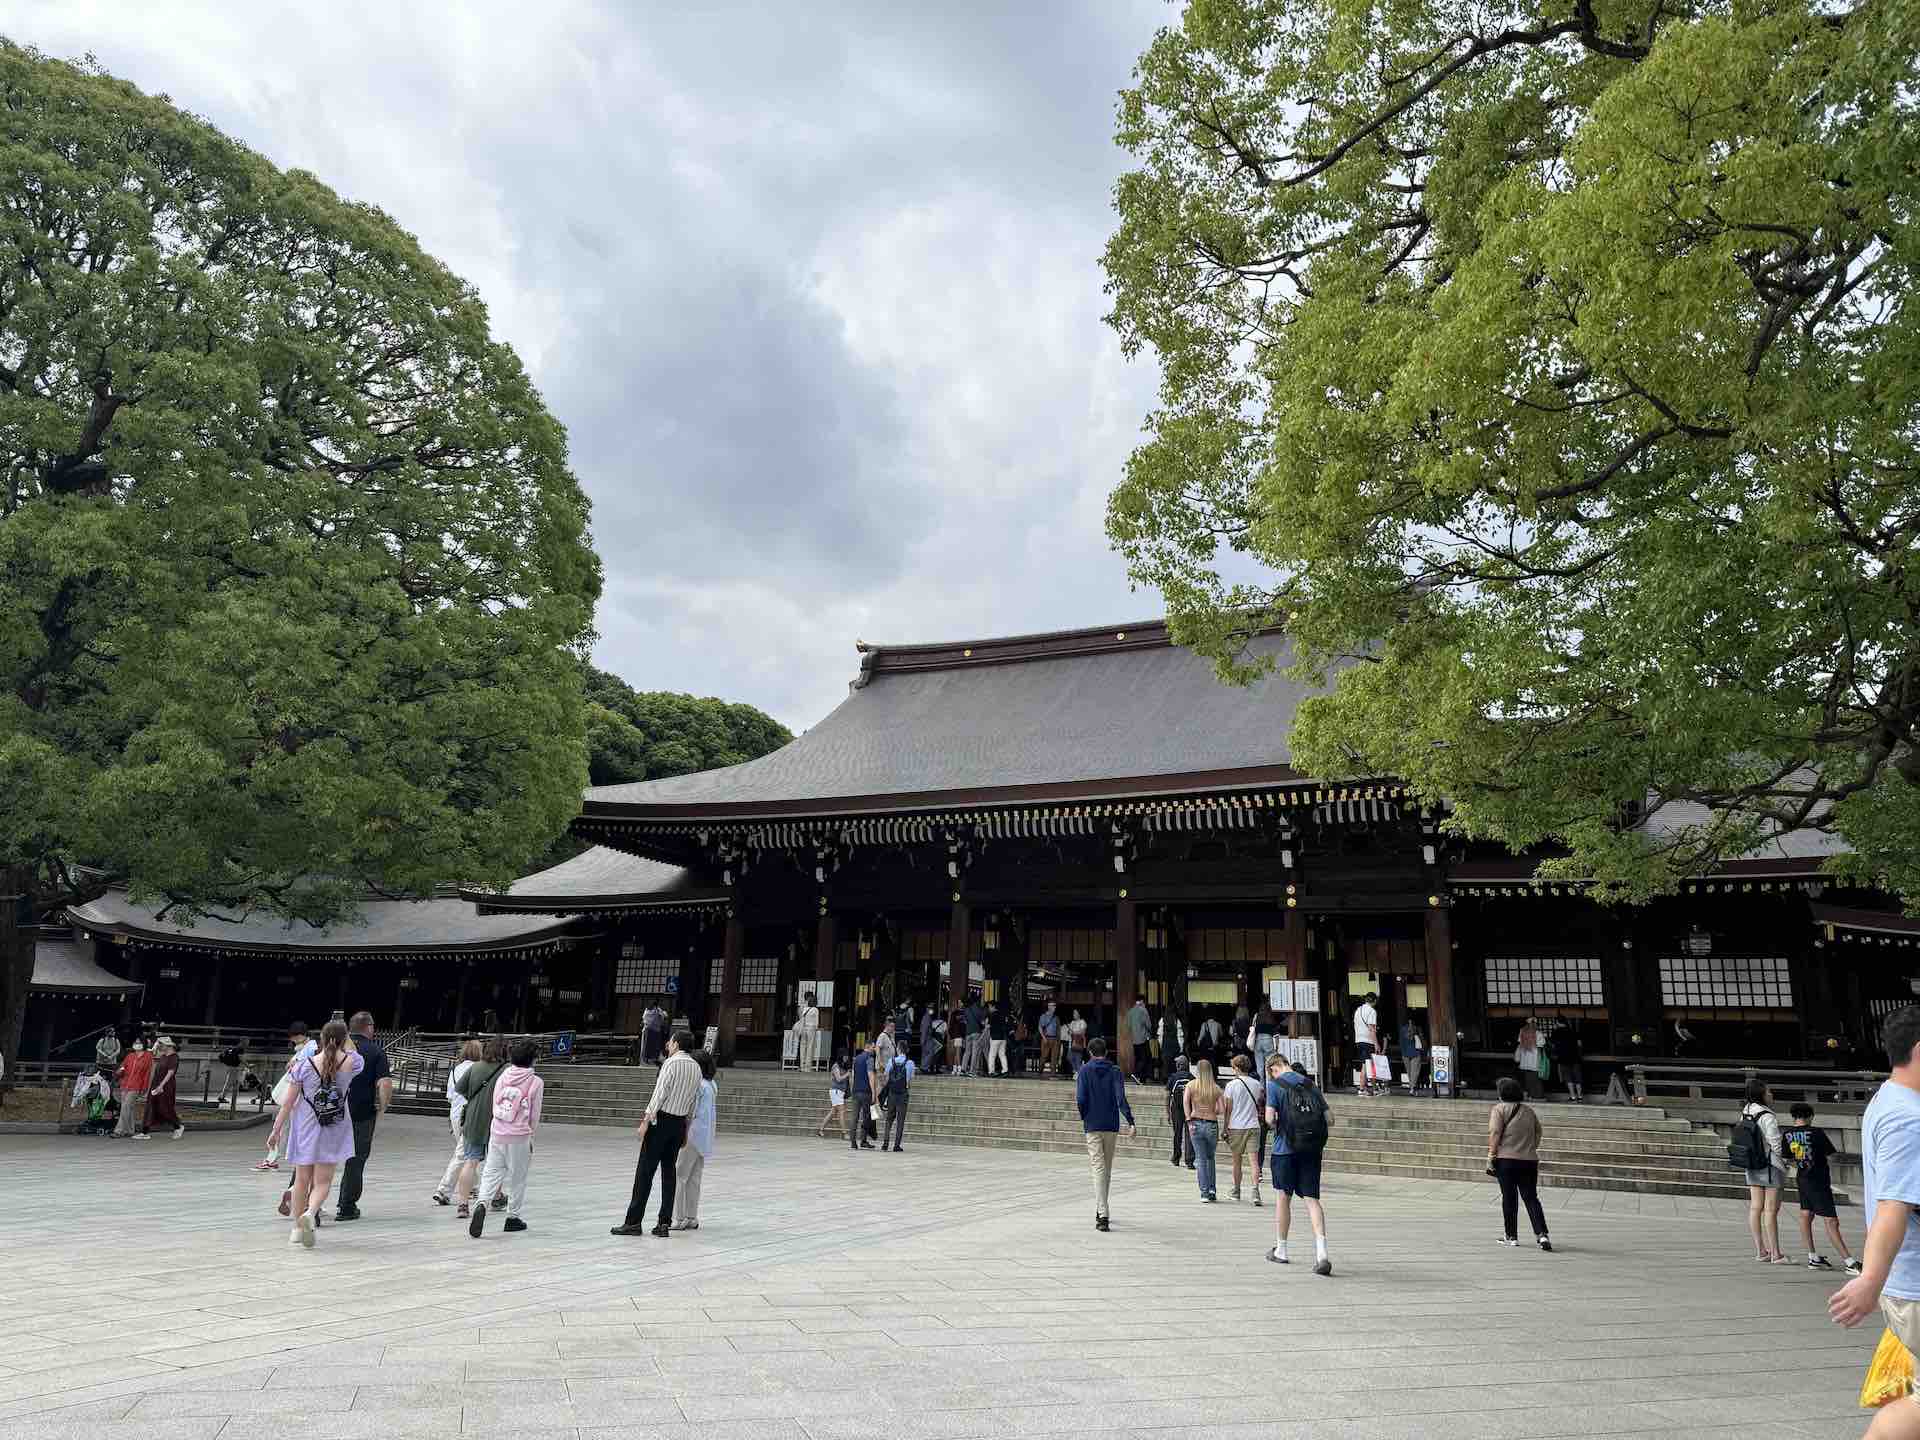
<point>837,1079</point>
<point>1178,1078</point>
<point>1298,1114</point>
<point>1808,1146</point>
<point>515,1121</point>
<point>1100,1092</point>
<point>1206,1112</point>
<point>1513,1155</point>
<point>662,1131</point>
<point>692,1165</point>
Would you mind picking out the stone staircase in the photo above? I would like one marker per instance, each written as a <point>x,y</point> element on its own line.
<point>1586,1147</point>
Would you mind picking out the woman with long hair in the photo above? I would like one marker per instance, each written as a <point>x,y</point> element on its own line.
<point>476,1123</point>
<point>836,1096</point>
<point>456,1108</point>
<point>1206,1110</point>
<point>314,1121</point>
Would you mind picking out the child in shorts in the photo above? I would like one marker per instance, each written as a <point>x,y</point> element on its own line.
<point>1808,1147</point>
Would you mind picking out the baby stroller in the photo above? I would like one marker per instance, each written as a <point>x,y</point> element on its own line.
<point>99,1110</point>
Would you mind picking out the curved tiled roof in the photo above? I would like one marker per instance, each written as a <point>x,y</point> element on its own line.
<point>1092,711</point>
<point>380,927</point>
<point>611,879</point>
<point>61,967</point>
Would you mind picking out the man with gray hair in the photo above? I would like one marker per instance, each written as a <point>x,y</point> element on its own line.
<point>368,1095</point>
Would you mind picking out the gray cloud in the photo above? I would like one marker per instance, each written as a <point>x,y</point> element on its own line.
<point>814,289</point>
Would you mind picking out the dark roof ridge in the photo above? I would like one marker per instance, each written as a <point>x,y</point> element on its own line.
<point>1013,649</point>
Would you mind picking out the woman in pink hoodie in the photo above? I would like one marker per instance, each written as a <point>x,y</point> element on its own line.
<point>516,1116</point>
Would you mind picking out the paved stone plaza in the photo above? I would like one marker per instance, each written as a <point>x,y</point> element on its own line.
<point>939,1294</point>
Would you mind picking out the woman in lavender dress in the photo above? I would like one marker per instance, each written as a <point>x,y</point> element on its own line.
<point>312,1148</point>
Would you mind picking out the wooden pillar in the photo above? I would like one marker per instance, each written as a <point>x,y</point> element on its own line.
<point>691,999</point>
<point>399,998</point>
<point>1440,1016</point>
<point>959,954</point>
<point>1126,978</point>
<point>1293,954</point>
<point>212,1010</point>
<point>735,946</point>
<point>462,971</point>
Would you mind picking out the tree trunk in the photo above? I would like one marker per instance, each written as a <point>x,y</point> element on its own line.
<point>16,961</point>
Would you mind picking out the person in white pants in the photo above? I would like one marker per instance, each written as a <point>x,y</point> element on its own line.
<point>691,1168</point>
<point>456,1108</point>
<point>516,1119</point>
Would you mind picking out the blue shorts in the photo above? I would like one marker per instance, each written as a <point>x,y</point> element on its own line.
<point>473,1152</point>
<point>1298,1174</point>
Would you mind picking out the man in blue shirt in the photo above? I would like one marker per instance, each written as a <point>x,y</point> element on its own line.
<point>367,1096</point>
<point>1050,1039</point>
<point>894,1083</point>
<point>1101,1093</point>
<point>1890,1163</point>
<point>862,1098</point>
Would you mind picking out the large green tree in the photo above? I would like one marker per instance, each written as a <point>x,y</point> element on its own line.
<point>293,572</point>
<point>1550,370</point>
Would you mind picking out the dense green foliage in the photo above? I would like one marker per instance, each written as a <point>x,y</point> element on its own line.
<point>1551,371</point>
<point>645,735</point>
<point>293,572</point>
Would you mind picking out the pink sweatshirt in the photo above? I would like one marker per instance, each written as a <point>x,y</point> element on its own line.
<point>516,1103</point>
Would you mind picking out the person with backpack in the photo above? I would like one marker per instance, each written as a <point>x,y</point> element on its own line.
<point>314,1122</point>
<point>1808,1146</point>
<point>476,1121</point>
<point>1178,1078</point>
<point>456,1111</point>
<point>1297,1114</point>
<point>1513,1157</point>
<point>1245,1106</point>
<point>691,1168</point>
<point>1759,1150</point>
<point>893,1092</point>
<point>514,1120</point>
<point>653,1034</point>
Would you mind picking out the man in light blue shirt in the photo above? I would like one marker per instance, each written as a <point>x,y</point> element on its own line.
<point>1890,1160</point>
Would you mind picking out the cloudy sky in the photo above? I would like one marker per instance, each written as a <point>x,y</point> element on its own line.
<point>814,288</point>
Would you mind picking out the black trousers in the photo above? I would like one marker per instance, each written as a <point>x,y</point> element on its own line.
<point>355,1174</point>
<point>896,1126</point>
<point>1520,1180</point>
<point>1182,1144</point>
<point>862,1117</point>
<point>659,1151</point>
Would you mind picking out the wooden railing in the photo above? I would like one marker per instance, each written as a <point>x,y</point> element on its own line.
<point>1712,1082</point>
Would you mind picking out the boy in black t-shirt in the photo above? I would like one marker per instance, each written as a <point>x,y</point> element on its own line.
<point>1808,1147</point>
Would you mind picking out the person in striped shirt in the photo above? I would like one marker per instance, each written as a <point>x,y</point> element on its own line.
<point>662,1131</point>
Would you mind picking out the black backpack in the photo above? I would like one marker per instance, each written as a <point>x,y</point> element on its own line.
<point>1748,1149</point>
<point>326,1101</point>
<point>1304,1119</point>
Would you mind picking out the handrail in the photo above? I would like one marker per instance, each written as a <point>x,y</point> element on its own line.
<point>1697,1080</point>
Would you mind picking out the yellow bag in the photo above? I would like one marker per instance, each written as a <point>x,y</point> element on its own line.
<point>1890,1376</point>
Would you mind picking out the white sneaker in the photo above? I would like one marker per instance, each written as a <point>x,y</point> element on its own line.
<point>293,1235</point>
<point>1508,1241</point>
<point>303,1228</point>
<point>178,1131</point>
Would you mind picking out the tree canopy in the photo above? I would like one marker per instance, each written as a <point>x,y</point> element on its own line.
<point>646,735</point>
<point>1550,372</point>
<point>294,576</point>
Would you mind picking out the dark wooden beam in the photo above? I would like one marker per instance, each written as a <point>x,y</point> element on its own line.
<point>1126,977</point>
<point>734,946</point>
